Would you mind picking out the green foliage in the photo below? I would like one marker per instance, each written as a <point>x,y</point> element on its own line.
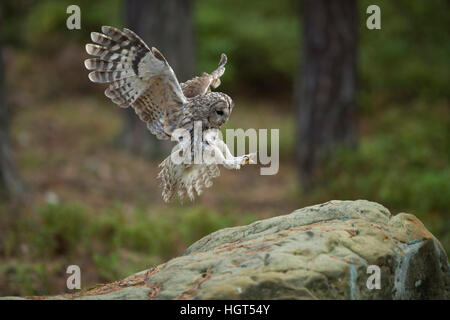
<point>108,265</point>
<point>61,229</point>
<point>408,57</point>
<point>116,241</point>
<point>196,222</point>
<point>260,38</point>
<point>403,164</point>
<point>41,25</point>
<point>26,278</point>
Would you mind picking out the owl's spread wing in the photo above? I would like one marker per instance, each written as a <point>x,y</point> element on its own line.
<point>201,85</point>
<point>137,76</point>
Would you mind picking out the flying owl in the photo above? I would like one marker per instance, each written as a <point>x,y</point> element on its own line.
<point>142,78</point>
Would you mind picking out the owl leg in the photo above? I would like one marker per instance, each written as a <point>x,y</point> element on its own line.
<point>228,160</point>
<point>224,148</point>
<point>245,159</point>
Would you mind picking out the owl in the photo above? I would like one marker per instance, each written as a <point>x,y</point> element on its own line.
<point>140,77</point>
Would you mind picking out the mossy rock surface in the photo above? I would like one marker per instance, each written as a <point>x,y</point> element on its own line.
<point>319,252</point>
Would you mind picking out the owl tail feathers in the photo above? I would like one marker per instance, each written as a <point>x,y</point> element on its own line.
<point>186,181</point>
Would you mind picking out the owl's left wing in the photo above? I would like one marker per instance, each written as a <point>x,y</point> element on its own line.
<point>201,85</point>
<point>137,76</point>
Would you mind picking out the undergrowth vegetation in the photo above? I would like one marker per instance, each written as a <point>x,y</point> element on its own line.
<point>114,242</point>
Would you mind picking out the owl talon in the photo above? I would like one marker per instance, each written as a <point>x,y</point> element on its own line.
<point>252,158</point>
<point>248,159</point>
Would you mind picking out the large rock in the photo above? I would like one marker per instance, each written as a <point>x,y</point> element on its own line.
<point>318,252</point>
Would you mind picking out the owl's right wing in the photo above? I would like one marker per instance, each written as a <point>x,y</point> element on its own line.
<point>137,76</point>
<point>201,85</point>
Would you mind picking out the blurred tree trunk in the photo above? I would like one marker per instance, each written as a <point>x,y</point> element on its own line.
<point>11,184</point>
<point>166,25</point>
<point>325,97</point>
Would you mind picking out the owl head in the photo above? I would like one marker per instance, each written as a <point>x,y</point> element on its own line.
<point>216,109</point>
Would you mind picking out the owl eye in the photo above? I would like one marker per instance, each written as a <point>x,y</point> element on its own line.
<point>219,112</point>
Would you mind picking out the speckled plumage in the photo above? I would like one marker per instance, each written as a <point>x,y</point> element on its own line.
<point>142,78</point>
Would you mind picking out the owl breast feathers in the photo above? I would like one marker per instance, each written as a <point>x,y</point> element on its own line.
<point>142,78</point>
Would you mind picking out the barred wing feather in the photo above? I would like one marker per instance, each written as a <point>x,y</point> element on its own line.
<point>137,76</point>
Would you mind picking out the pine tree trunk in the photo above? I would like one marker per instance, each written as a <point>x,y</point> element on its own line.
<point>166,25</point>
<point>11,184</point>
<point>325,98</point>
